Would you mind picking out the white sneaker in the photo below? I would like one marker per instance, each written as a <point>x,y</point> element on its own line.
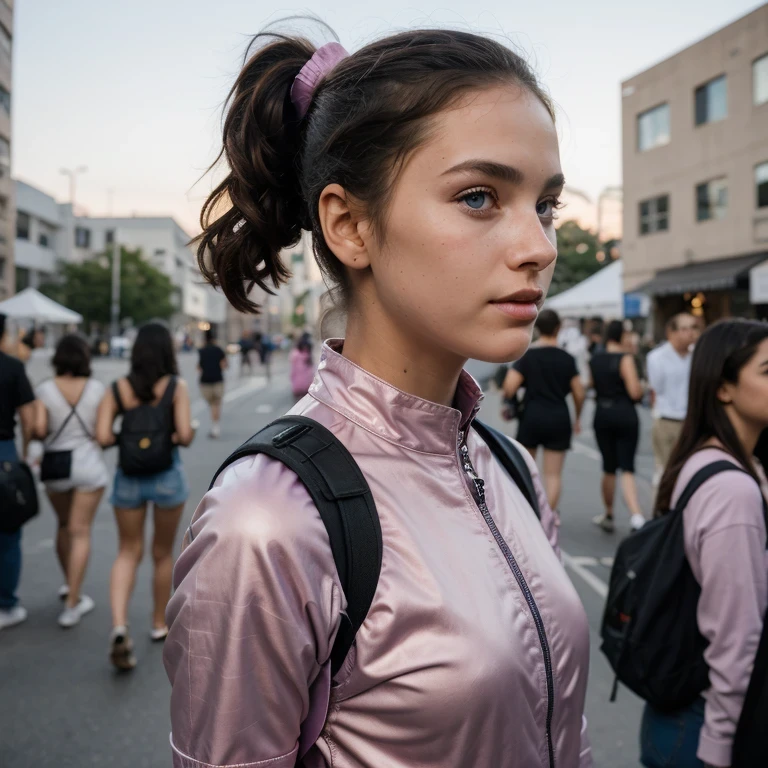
<point>215,432</point>
<point>637,522</point>
<point>69,617</point>
<point>10,617</point>
<point>63,592</point>
<point>604,522</point>
<point>158,633</point>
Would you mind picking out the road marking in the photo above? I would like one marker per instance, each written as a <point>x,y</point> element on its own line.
<point>597,584</point>
<point>586,450</point>
<point>259,382</point>
<point>584,560</point>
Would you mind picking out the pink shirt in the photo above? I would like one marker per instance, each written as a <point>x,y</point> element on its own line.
<point>448,668</point>
<point>725,543</point>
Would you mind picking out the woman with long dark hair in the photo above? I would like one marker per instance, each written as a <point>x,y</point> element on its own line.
<point>154,399</point>
<point>437,232</point>
<point>73,467</point>
<point>725,539</point>
<point>617,427</point>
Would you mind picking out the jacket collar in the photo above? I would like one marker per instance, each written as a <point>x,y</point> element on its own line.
<point>390,413</point>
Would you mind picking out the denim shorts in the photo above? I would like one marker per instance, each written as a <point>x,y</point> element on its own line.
<point>671,740</point>
<point>165,489</point>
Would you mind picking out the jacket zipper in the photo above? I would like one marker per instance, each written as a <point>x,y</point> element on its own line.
<point>479,486</point>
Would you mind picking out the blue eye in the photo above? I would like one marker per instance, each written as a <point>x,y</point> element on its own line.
<point>475,200</point>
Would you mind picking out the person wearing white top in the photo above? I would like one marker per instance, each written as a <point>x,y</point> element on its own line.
<point>669,369</point>
<point>65,419</point>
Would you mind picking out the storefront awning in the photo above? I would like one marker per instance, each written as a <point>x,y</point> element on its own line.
<point>719,275</point>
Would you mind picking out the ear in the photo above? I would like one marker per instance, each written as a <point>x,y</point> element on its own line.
<point>724,394</point>
<point>345,230</point>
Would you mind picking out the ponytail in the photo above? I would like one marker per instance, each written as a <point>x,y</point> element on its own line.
<point>240,248</point>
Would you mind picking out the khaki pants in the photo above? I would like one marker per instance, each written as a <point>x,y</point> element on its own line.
<point>665,435</point>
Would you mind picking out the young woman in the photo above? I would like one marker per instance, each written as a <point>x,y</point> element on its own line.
<point>212,362</point>
<point>65,418</point>
<point>153,379</point>
<point>725,536</point>
<point>302,366</point>
<point>617,389</point>
<point>438,232</point>
<point>549,374</point>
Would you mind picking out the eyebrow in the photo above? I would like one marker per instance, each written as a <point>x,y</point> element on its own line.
<point>501,171</point>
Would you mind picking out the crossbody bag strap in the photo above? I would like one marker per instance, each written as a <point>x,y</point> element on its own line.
<point>72,412</point>
<point>118,399</point>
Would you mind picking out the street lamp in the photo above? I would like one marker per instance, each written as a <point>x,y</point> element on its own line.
<point>73,173</point>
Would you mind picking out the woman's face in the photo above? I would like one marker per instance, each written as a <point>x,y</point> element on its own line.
<point>749,397</point>
<point>470,242</point>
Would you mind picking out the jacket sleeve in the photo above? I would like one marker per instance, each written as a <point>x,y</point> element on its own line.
<point>726,545</point>
<point>252,622</point>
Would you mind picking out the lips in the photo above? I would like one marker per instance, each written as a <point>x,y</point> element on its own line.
<point>522,305</point>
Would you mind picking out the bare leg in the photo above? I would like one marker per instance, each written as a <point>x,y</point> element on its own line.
<point>609,492</point>
<point>84,506</point>
<point>534,453</point>
<point>166,524</point>
<point>61,503</point>
<point>216,412</point>
<point>553,476</point>
<point>130,527</point>
<point>629,492</point>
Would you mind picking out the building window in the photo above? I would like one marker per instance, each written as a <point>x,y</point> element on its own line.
<point>760,80</point>
<point>761,184</point>
<point>82,237</point>
<point>654,215</point>
<point>22,226</point>
<point>5,40</point>
<point>5,101</point>
<point>711,200</point>
<point>43,240</point>
<point>653,128</point>
<point>712,101</point>
<point>22,278</point>
<point>109,236</point>
<point>5,157</point>
<point>2,267</point>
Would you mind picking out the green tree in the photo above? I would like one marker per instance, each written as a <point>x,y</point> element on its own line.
<point>576,257</point>
<point>145,292</point>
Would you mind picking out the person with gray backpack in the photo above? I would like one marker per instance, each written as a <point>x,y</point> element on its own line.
<point>688,594</point>
<point>156,420</point>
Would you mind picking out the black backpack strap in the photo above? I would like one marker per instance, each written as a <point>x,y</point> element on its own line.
<point>118,399</point>
<point>512,460</point>
<point>170,389</point>
<point>345,503</point>
<point>701,477</point>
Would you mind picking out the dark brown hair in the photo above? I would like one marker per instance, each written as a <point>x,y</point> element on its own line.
<point>152,357</point>
<point>548,322</point>
<point>72,356</point>
<point>720,354</point>
<point>366,117</point>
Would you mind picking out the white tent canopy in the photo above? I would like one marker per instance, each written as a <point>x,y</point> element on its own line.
<point>30,304</point>
<point>600,294</point>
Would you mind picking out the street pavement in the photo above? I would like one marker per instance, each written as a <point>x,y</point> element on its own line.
<point>61,704</point>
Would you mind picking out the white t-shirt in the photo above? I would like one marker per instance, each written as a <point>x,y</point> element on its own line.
<point>668,375</point>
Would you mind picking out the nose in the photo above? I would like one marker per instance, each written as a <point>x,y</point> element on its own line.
<point>530,245</point>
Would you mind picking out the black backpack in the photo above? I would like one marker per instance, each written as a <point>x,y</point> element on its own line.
<point>345,503</point>
<point>650,633</point>
<point>145,443</point>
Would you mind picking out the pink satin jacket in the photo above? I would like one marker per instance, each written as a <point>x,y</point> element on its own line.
<point>475,649</point>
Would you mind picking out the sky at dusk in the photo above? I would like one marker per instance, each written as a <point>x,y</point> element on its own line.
<point>133,90</point>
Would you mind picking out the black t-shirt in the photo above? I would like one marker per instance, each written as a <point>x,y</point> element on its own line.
<point>15,391</point>
<point>548,372</point>
<point>210,364</point>
<point>607,378</point>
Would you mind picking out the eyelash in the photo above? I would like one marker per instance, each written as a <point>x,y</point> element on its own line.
<point>555,201</point>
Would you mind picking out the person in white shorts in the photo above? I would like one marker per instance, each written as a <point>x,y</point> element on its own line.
<point>73,467</point>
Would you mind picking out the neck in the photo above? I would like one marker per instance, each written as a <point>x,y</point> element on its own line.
<point>548,341</point>
<point>682,352</point>
<point>379,346</point>
<point>747,431</point>
<point>613,346</point>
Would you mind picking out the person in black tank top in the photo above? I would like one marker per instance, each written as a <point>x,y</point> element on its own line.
<point>617,389</point>
<point>549,374</point>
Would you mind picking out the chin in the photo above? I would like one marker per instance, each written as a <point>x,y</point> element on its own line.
<point>503,346</point>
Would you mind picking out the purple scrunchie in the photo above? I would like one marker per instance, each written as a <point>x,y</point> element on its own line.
<point>322,62</point>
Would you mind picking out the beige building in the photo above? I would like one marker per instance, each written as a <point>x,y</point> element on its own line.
<point>7,215</point>
<point>695,156</point>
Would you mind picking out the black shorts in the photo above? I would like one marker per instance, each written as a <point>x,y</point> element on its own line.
<point>617,433</point>
<point>547,425</point>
